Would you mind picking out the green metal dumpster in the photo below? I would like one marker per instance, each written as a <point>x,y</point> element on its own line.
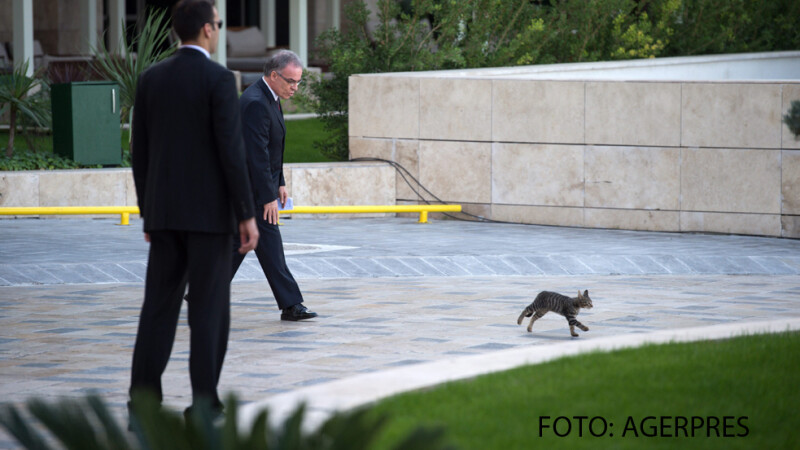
<point>86,124</point>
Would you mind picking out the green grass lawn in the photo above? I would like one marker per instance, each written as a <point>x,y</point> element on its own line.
<point>300,138</point>
<point>744,390</point>
<point>301,135</point>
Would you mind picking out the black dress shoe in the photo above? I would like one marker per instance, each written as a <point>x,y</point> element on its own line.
<point>297,312</point>
<point>216,413</point>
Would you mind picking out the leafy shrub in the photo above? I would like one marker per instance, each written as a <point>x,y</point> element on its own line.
<point>30,160</point>
<point>792,118</point>
<point>80,424</point>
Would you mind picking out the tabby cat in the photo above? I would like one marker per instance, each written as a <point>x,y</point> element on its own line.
<point>561,304</point>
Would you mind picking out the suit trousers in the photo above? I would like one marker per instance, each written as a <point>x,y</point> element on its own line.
<point>204,260</point>
<point>273,262</point>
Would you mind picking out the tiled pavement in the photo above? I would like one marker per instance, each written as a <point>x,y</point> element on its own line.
<point>390,293</point>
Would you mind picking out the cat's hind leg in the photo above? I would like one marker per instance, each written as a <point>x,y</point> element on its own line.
<point>536,315</point>
<point>527,312</point>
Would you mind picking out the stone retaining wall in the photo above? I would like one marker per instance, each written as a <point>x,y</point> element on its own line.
<point>349,183</point>
<point>574,148</point>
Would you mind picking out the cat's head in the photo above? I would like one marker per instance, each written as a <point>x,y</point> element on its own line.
<point>583,300</point>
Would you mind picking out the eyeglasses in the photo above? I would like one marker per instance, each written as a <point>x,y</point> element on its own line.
<point>218,23</point>
<point>289,80</point>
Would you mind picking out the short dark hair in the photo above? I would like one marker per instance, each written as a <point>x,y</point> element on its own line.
<point>280,60</point>
<point>189,17</point>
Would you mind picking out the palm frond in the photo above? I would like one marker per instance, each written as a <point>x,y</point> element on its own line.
<point>140,53</point>
<point>27,435</point>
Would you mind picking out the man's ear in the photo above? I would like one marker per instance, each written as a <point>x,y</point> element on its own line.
<point>207,30</point>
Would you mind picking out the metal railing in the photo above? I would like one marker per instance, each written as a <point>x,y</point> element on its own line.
<point>126,211</point>
<point>423,210</point>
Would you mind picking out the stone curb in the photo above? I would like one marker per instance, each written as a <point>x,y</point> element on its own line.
<point>323,400</point>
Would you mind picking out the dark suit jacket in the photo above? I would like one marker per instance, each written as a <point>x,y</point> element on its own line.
<point>264,137</point>
<point>188,156</point>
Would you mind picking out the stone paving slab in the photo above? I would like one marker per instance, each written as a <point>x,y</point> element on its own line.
<point>66,340</point>
<point>391,294</point>
<point>99,251</point>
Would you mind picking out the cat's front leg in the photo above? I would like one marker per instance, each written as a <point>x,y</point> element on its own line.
<point>573,322</point>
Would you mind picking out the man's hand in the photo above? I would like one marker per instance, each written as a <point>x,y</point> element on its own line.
<point>147,237</point>
<point>283,195</point>
<point>271,212</point>
<point>248,235</point>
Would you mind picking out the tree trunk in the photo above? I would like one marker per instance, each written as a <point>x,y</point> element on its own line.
<point>12,128</point>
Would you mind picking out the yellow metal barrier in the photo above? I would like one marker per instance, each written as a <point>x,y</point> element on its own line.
<point>423,210</point>
<point>126,211</point>
<point>123,211</point>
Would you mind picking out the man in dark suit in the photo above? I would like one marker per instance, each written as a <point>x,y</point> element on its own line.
<point>264,137</point>
<point>192,185</point>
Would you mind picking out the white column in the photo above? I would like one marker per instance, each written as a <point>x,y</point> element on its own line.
<point>298,29</point>
<point>267,21</point>
<point>116,25</point>
<point>336,20</point>
<point>88,26</point>
<point>221,55</point>
<point>23,33</point>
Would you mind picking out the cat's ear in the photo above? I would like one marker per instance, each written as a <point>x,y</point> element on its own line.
<point>586,293</point>
<point>579,294</point>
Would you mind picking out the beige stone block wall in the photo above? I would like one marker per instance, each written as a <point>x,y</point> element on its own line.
<point>384,107</point>
<point>370,148</point>
<point>646,178</point>
<point>455,109</point>
<point>19,189</point>
<point>630,113</point>
<point>536,174</point>
<point>87,187</point>
<point>131,198</point>
<point>756,224</point>
<point>403,151</point>
<point>457,171</point>
<point>308,184</point>
<point>406,153</point>
<point>632,219</point>
<point>538,111</point>
<point>790,182</point>
<point>542,215</point>
<point>654,155</point>
<point>728,180</point>
<point>790,226</point>
<point>332,184</point>
<point>791,92</point>
<point>102,187</point>
<point>731,115</point>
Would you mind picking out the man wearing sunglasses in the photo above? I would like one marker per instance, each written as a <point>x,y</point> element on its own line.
<point>190,170</point>
<point>264,136</point>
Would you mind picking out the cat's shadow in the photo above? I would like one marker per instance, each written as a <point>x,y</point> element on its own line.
<point>550,337</point>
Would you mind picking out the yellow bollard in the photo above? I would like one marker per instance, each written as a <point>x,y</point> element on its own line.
<point>423,217</point>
